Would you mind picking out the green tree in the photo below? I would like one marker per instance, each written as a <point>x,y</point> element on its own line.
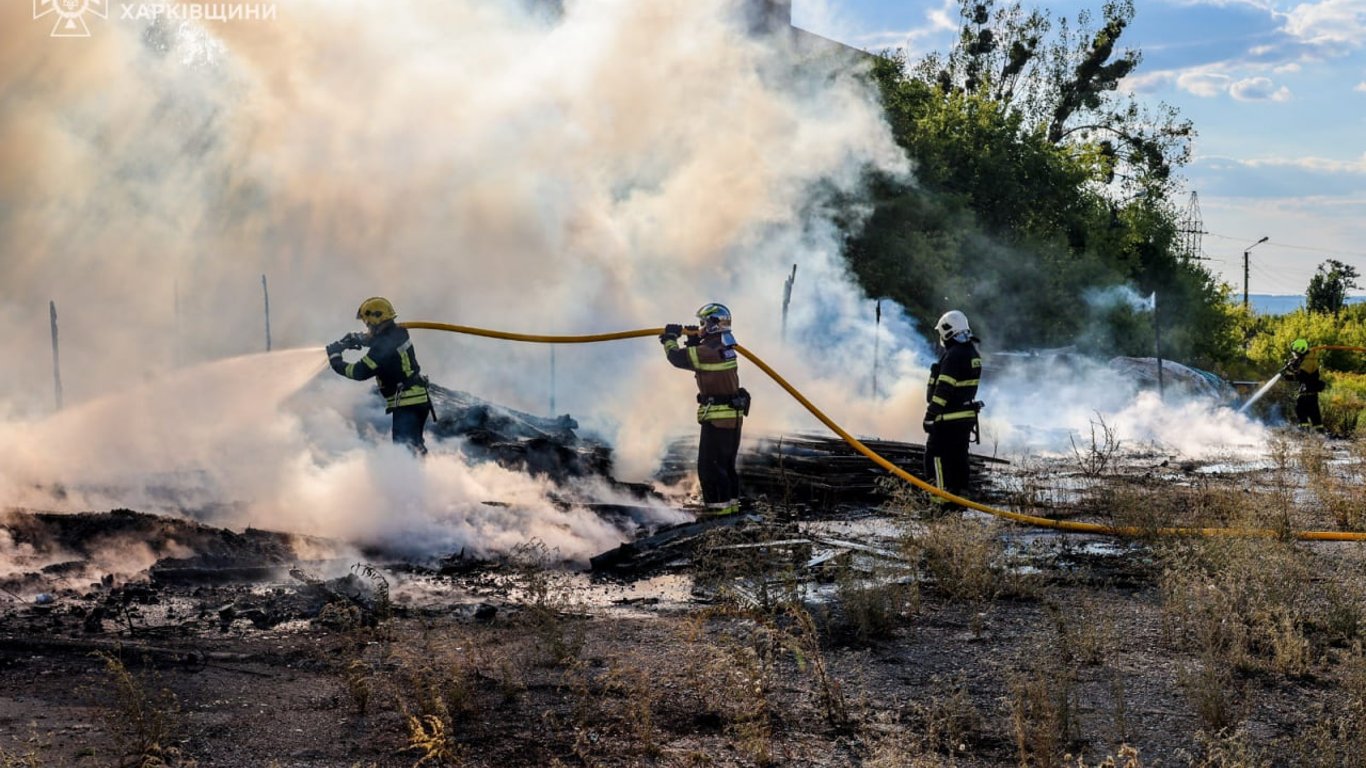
<point>1066,84</point>
<point>1328,287</point>
<point>1015,213</point>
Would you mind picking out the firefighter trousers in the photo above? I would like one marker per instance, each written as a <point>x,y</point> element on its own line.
<point>946,455</point>
<point>1307,412</point>
<point>716,451</point>
<point>409,421</point>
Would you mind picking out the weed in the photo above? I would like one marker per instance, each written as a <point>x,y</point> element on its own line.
<point>947,724</point>
<point>1126,757</point>
<point>874,604</point>
<point>384,608</point>
<point>1084,631</point>
<point>357,682</point>
<point>965,557</point>
<point>1229,749</point>
<point>1095,459</point>
<point>1043,714</point>
<point>27,759</point>
<point>635,685</point>
<point>1213,695</point>
<point>429,736</point>
<point>891,744</point>
<point>549,599</point>
<point>143,721</point>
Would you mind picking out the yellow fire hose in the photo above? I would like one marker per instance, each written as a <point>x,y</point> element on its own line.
<point>856,444</point>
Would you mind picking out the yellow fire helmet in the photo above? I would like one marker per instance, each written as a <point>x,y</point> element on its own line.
<point>375,310</point>
<point>1300,346</point>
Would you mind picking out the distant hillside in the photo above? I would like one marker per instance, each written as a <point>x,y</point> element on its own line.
<point>1277,304</point>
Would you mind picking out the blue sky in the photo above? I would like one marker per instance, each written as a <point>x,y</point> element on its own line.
<point>1277,93</point>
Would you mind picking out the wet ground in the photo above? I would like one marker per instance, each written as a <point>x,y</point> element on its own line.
<point>816,636</point>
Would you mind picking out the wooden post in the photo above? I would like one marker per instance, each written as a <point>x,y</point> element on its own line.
<point>787,298</point>
<point>877,326</point>
<point>265,291</point>
<point>56,358</point>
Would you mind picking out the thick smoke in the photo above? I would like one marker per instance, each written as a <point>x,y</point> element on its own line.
<point>491,164</point>
<point>611,166</point>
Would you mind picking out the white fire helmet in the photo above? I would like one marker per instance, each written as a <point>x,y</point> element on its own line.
<point>953,325</point>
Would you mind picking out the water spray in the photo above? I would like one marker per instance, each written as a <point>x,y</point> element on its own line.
<point>1258,395</point>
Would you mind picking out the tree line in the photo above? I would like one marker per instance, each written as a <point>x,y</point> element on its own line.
<point>1038,187</point>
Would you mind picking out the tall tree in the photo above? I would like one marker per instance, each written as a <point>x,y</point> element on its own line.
<point>1329,286</point>
<point>1065,84</point>
<point>1032,188</point>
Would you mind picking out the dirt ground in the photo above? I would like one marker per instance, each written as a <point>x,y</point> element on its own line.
<point>896,635</point>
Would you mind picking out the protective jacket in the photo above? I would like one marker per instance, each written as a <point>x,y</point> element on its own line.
<point>715,366</point>
<point>952,388</point>
<point>1305,370</point>
<point>392,362</point>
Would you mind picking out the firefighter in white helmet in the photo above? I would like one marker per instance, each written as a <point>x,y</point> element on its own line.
<point>951,404</point>
<point>392,362</point>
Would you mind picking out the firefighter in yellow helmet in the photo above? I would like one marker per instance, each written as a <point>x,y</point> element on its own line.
<point>1303,367</point>
<point>722,403</point>
<point>391,361</point>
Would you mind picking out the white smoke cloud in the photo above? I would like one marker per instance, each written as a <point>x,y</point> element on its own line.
<point>477,163</point>
<point>481,163</point>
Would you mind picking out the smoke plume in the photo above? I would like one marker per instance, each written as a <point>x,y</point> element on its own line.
<point>612,164</point>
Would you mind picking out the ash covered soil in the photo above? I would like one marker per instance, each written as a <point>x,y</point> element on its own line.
<point>888,633</point>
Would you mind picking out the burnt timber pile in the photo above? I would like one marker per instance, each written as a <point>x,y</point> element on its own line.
<point>815,470</point>
<point>516,439</point>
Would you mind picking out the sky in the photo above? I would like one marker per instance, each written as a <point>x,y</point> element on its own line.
<point>1276,91</point>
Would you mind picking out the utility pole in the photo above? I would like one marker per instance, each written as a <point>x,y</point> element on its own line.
<point>265,291</point>
<point>56,359</point>
<point>787,298</point>
<point>877,327</point>
<point>1246,252</point>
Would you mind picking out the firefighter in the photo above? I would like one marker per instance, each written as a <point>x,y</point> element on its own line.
<point>951,410</point>
<point>392,362</point>
<point>1303,367</point>
<point>722,404</point>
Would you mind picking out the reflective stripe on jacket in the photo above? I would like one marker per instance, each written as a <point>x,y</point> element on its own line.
<point>392,362</point>
<point>716,368</point>
<point>953,383</point>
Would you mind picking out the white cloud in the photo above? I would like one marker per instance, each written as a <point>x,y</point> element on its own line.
<point>1204,84</point>
<point>937,33</point>
<point>1321,164</point>
<point>1258,89</point>
<point>1360,87</point>
<point>1341,22</point>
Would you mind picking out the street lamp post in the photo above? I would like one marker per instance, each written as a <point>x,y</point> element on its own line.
<point>1246,252</point>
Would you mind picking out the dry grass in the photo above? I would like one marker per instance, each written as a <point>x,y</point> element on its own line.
<point>1043,714</point>
<point>964,558</point>
<point>874,602</point>
<point>143,719</point>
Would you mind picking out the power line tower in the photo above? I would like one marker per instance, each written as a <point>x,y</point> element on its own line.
<point>1190,229</point>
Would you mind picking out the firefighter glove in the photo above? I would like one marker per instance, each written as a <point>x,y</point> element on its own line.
<point>354,340</point>
<point>335,348</point>
<point>671,333</point>
<point>928,424</point>
<point>694,335</point>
